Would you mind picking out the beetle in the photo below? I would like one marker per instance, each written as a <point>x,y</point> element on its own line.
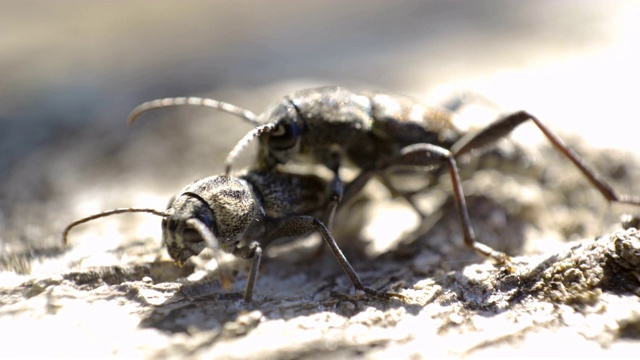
<point>375,131</point>
<point>242,215</point>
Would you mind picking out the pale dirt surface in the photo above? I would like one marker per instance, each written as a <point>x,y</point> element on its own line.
<point>72,72</point>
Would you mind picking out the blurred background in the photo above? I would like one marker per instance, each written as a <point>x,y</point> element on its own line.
<point>71,71</point>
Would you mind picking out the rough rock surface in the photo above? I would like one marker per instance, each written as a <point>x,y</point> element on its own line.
<point>573,288</point>
<point>72,70</point>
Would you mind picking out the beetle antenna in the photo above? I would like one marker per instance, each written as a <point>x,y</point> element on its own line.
<point>244,142</point>
<point>196,101</point>
<point>65,233</point>
<point>204,232</point>
<point>224,275</point>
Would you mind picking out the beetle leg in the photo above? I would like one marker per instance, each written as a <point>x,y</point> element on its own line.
<point>252,252</point>
<point>504,125</point>
<point>427,155</point>
<point>302,225</point>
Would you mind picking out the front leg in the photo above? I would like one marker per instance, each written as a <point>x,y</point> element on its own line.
<point>251,252</point>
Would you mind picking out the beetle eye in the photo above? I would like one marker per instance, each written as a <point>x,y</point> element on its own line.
<point>280,130</point>
<point>284,137</point>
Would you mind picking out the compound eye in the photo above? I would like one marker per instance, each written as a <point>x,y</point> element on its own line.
<point>285,136</point>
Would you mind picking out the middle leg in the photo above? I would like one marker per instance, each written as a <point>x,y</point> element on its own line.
<point>427,155</point>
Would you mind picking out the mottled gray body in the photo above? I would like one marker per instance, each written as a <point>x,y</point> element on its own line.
<point>240,210</point>
<point>243,215</point>
<point>331,124</point>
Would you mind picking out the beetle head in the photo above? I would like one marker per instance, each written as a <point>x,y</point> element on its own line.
<point>283,142</point>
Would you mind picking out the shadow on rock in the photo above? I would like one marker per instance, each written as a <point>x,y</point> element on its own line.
<point>284,291</point>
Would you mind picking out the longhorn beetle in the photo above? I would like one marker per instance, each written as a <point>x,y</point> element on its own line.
<point>243,215</point>
<point>375,131</point>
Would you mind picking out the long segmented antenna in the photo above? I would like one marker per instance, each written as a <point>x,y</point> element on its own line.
<point>65,233</point>
<point>244,142</point>
<point>226,280</point>
<point>197,101</point>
